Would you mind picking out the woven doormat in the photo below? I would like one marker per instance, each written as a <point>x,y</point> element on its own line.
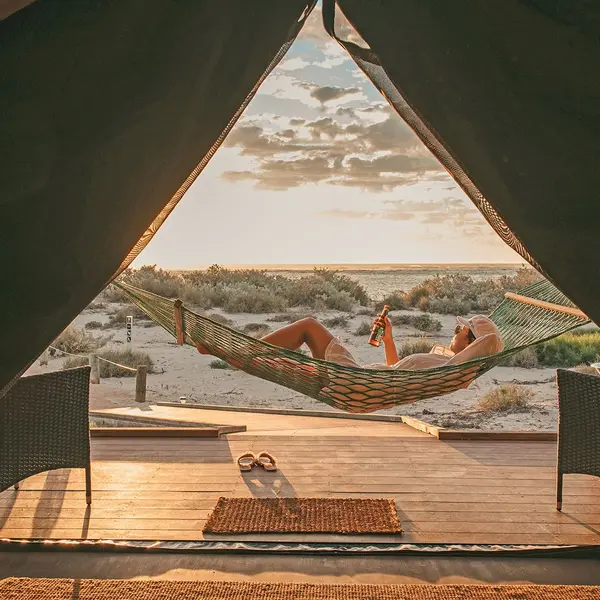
<point>303,515</point>
<point>106,589</point>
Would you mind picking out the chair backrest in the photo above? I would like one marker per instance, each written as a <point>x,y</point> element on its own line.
<point>44,424</point>
<point>579,422</point>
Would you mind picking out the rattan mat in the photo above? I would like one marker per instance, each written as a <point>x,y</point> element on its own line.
<point>106,589</point>
<point>303,515</point>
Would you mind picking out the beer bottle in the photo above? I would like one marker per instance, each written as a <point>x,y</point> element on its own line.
<point>377,331</point>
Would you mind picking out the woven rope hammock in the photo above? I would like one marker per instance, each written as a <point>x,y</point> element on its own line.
<point>539,313</point>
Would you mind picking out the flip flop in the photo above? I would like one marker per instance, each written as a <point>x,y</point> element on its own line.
<point>246,461</point>
<point>266,461</point>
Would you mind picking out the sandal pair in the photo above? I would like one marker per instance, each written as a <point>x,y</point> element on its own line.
<point>264,459</point>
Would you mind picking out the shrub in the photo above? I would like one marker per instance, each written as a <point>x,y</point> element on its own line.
<point>77,341</point>
<point>337,321</point>
<point>340,301</point>
<point>93,325</point>
<point>93,306</point>
<point>363,329</point>
<point>506,398</point>
<point>220,364</point>
<point>119,316</point>
<point>460,294</point>
<point>370,312</point>
<point>450,306</point>
<point>249,290</point>
<point>418,346</point>
<point>421,322</point>
<point>526,359</point>
<point>279,318</point>
<point>112,294</point>
<point>126,357</point>
<point>248,298</point>
<point>414,296</point>
<point>570,349</point>
<point>396,301</point>
<point>155,280</point>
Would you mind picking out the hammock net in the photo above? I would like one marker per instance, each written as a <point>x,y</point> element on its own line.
<point>359,390</point>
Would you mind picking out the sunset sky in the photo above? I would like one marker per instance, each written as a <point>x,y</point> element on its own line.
<point>320,170</point>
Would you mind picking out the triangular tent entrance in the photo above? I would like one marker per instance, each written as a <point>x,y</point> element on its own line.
<point>108,109</point>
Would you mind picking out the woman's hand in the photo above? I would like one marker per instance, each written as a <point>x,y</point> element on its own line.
<point>387,332</point>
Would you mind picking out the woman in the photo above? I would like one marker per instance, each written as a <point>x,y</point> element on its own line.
<point>473,338</point>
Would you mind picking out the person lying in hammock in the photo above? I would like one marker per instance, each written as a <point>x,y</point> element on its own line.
<point>473,338</point>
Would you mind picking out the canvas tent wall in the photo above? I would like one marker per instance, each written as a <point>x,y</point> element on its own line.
<point>107,109</point>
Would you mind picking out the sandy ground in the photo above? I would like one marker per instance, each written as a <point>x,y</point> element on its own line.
<point>181,371</point>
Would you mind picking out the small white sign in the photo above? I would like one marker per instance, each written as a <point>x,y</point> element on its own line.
<point>129,327</point>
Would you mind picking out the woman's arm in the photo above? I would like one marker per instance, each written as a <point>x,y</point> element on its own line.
<point>391,352</point>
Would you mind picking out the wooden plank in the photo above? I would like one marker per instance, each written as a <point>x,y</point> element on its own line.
<point>154,432</point>
<point>567,310</point>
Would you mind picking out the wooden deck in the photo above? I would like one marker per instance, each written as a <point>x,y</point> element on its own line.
<point>446,492</point>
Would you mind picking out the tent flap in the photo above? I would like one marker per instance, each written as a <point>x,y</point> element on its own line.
<point>108,111</point>
<point>506,95</point>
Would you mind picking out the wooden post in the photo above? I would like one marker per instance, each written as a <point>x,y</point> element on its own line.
<point>179,322</point>
<point>547,305</point>
<point>44,358</point>
<point>140,383</point>
<point>95,372</point>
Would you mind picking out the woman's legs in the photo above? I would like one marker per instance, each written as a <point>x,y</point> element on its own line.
<point>307,331</point>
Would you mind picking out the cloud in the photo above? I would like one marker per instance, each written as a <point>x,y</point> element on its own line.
<point>378,156</point>
<point>329,93</point>
<point>449,212</point>
<point>287,87</point>
<point>348,214</point>
<point>293,64</point>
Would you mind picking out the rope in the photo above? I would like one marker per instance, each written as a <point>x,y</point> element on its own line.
<point>99,358</point>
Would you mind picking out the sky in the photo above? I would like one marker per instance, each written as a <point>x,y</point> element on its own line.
<point>320,170</point>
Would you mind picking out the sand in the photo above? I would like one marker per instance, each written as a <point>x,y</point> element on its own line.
<point>181,371</point>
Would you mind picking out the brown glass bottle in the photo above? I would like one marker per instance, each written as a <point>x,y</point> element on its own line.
<point>377,331</point>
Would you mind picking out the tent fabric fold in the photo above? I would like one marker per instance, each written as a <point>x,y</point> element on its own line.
<point>505,95</point>
<point>108,112</point>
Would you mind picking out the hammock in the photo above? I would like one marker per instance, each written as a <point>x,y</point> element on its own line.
<point>539,313</point>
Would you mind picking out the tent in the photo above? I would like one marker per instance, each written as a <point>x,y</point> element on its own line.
<point>110,110</point>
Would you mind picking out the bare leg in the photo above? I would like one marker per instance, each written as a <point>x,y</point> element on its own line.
<point>307,331</point>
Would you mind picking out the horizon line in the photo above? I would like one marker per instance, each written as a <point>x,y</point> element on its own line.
<point>348,266</point>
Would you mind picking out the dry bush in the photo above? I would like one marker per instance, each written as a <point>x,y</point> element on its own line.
<point>78,341</point>
<point>418,346</point>
<point>506,398</point>
<point>526,359</point>
<point>336,321</point>
<point>279,318</point>
<point>420,322</point>
<point>220,364</point>
<point>364,328</point>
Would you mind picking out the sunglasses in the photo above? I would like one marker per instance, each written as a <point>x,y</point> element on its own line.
<point>459,328</point>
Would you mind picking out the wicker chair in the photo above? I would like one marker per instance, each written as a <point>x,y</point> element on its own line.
<point>44,425</point>
<point>578,426</point>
